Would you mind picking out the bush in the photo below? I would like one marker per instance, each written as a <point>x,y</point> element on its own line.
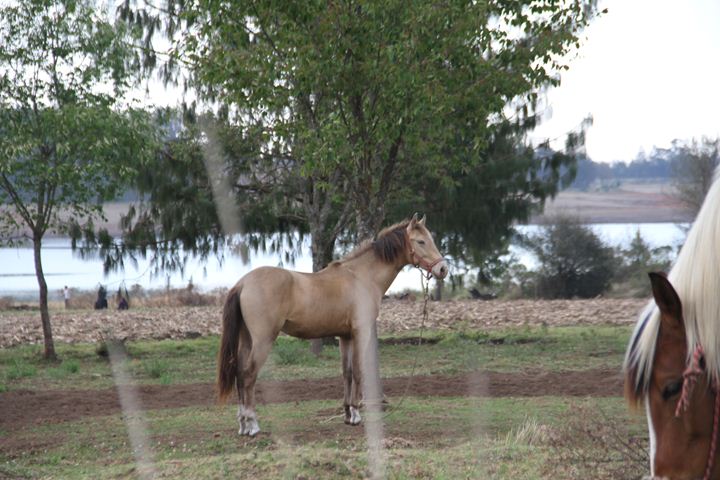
<point>636,261</point>
<point>574,262</point>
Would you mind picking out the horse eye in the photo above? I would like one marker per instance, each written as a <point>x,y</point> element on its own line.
<point>421,242</point>
<point>672,389</point>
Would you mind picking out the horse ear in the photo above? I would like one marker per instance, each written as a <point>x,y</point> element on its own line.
<point>413,221</point>
<point>666,298</point>
<point>422,221</point>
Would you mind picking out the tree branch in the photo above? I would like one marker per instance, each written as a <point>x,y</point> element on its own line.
<point>17,201</point>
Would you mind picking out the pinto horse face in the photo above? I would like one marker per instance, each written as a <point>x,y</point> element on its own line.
<point>423,251</point>
<point>679,445</point>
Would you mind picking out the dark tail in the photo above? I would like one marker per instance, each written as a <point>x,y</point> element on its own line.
<point>228,356</point>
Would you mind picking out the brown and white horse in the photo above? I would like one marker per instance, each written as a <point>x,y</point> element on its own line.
<point>343,300</point>
<point>672,364</point>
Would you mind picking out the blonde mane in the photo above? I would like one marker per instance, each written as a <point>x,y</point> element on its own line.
<point>388,244</point>
<point>696,278</point>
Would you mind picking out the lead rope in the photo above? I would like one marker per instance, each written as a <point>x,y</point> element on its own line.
<point>690,376</point>
<point>425,282</point>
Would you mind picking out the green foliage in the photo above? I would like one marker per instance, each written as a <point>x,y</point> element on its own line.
<point>67,367</point>
<point>20,368</point>
<point>636,261</point>
<point>290,351</point>
<point>380,90</point>
<point>70,366</point>
<point>155,367</point>
<point>353,110</point>
<point>181,212</point>
<point>574,262</point>
<point>66,144</point>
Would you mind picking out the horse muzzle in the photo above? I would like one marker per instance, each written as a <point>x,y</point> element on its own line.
<point>440,270</point>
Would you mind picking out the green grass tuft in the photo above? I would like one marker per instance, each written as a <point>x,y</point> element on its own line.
<point>71,366</point>
<point>291,351</point>
<point>20,369</point>
<point>155,367</point>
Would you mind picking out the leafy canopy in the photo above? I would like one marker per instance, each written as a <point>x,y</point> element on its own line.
<point>377,89</point>
<point>65,144</point>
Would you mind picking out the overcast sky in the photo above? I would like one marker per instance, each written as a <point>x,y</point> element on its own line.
<point>648,72</point>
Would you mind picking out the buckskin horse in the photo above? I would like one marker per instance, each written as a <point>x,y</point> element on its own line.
<point>672,364</point>
<point>342,300</point>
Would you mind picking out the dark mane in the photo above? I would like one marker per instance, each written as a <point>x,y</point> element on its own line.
<point>388,246</point>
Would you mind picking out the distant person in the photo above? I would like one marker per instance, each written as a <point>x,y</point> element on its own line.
<point>101,302</point>
<point>122,299</point>
<point>123,304</point>
<point>66,295</point>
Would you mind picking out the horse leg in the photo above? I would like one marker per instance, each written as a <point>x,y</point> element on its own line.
<point>258,355</point>
<point>352,416</point>
<point>240,384</point>
<point>367,388</point>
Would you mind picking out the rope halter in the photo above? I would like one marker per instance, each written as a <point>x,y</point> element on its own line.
<point>690,377</point>
<point>417,261</point>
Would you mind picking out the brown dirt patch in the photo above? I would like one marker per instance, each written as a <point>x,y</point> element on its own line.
<point>32,407</point>
<point>396,316</point>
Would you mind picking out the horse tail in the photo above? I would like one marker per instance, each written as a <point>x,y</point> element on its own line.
<point>229,357</point>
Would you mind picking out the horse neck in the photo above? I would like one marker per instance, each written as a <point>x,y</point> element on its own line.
<point>373,270</point>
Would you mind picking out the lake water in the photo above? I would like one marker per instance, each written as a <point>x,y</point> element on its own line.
<point>63,267</point>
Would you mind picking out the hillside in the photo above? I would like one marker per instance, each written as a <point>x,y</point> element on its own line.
<point>629,202</point>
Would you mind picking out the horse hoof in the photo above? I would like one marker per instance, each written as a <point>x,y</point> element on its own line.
<point>353,417</point>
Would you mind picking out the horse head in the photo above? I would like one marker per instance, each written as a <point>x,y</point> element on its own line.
<point>680,399</point>
<point>421,249</point>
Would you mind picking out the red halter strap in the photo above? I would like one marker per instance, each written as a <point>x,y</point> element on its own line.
<point>417,261</point>
<point>690,376</point>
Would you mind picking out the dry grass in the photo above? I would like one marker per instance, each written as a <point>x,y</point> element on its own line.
<point>182,313</point>
<point>595,445</point>
<point>140,298</point>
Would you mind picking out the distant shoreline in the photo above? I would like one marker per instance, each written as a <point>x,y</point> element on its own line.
<point>630,202</point>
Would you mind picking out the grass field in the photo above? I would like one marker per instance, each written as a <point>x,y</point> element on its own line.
<point>464,436</point>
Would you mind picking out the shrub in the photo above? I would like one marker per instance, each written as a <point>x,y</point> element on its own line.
<point>637,260</point>
<point>574,262</point>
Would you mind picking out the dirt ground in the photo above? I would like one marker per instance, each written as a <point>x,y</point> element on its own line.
<point>34,407</point>
<point>23,408</point>
<point>396,316</point>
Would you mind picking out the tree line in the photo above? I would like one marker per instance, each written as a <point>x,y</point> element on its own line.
<point>687,164</point>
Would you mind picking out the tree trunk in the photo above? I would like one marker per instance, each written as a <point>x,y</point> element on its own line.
<point>322,254</point>
<point>369,221</point>
<point>439,283</point>
<point>44,313</point>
